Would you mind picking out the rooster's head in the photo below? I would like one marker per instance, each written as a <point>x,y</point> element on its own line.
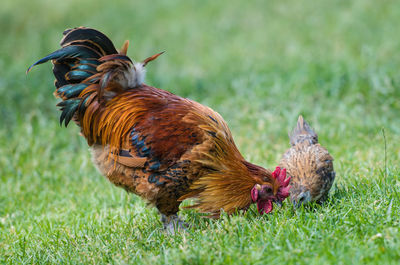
<point>265,194</point>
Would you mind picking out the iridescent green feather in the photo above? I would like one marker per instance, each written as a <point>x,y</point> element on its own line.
<point>68,108</point>
<point>71,91</point>
<point>75,62</point>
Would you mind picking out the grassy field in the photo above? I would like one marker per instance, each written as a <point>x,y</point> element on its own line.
<point>260,65</point>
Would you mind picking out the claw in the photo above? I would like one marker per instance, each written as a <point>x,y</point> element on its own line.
<point>172,224</point>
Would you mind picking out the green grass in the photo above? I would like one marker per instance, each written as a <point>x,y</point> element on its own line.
<point>260,65</point>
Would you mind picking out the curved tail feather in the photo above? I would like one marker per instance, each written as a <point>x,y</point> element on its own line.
<point>90,72</point>
<point>75,67</point>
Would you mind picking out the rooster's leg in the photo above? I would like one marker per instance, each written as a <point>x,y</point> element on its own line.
<point>172,223</point>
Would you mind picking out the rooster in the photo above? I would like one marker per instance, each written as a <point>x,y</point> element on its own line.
<point>309,165</point>
<point>151,142</point>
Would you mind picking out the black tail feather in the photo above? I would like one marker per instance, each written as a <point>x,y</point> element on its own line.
<point>74,67</point>
<point>68,108</point>
<point>69,52</point>
<point>71,91</point>
<point>78,75</point>
<point>88,35</point>
<point>85,67</point>
<point>59,72</point>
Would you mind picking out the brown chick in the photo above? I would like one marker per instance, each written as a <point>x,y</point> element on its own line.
<point>309,164</point>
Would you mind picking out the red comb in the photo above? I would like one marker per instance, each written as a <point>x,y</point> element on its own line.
<point>280,175</point>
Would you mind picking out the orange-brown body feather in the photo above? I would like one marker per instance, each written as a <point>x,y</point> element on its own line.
<point>178,132</point>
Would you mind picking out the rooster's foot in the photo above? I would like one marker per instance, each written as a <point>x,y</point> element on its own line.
<point>173,224</point>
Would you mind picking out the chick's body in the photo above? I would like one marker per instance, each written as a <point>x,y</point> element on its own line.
<point>310,166</point>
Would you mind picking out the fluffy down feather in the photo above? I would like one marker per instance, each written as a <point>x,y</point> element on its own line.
<point>309,165</point>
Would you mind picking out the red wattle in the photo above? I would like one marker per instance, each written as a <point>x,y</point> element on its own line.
<point>254,194</point>
<point>264,206</point>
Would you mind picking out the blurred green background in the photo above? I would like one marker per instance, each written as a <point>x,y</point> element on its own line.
<point>259,64</point>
